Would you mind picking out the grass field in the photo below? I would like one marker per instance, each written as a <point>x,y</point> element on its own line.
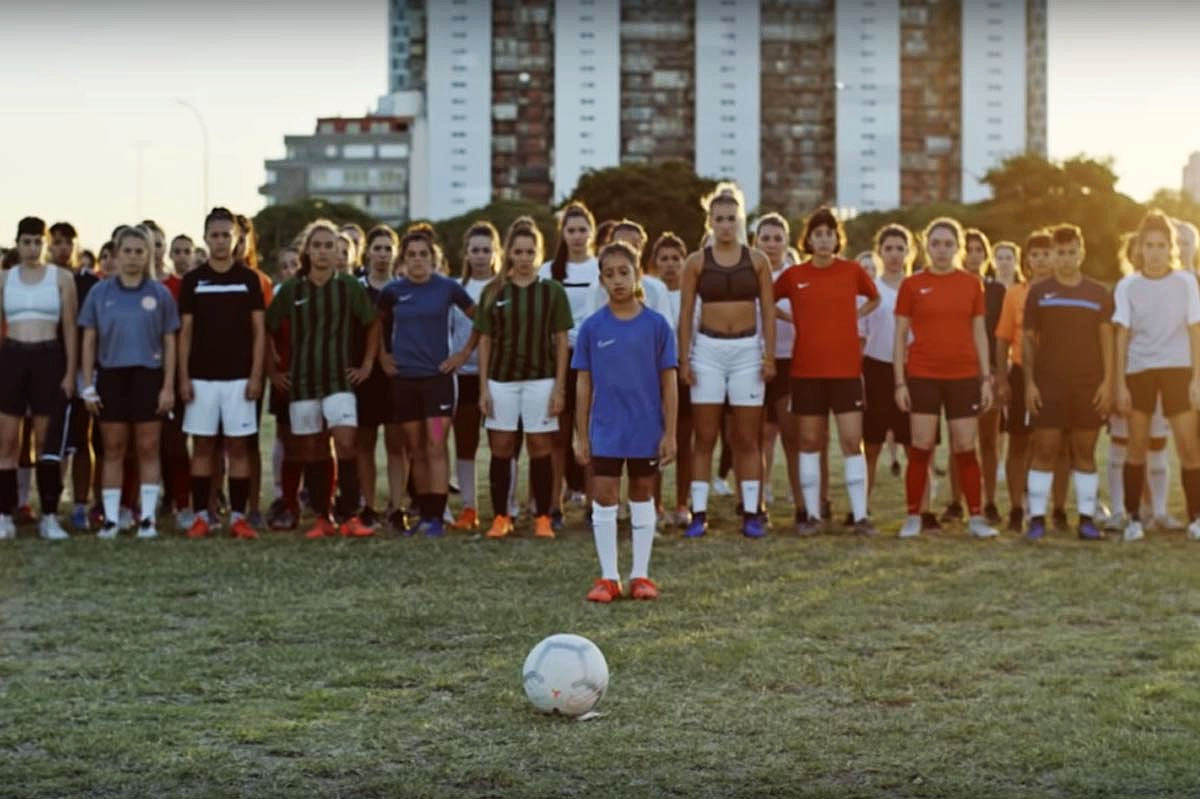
<point>391,667</point>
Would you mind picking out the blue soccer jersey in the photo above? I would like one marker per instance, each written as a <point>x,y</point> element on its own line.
<point>417,315</point>
<point>625,358</point>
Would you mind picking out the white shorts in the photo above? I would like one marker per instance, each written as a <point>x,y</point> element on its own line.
<point>309,417</point>
<point>727,368</point>
<point>1118,426</point>
<point>523,404</point>
<point>220,406</point>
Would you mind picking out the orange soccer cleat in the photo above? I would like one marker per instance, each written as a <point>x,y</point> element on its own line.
<point>543,527</point>
<point>604,591</point>
<point>321,528</point>
<point>501,526</point>
<point>467,519</point>
<point>354,528</point>
<point>242,529</point>
<point>643,588</point>
<point>199,528</point>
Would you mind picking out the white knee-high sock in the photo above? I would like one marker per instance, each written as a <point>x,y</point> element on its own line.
<point>642,517</point>
<point>604,532</point>
<point>112,505</point>
<point>149,501</point>
<point>465,469</point>
<point>24,483</point>
<point>810,482</point>
<point>855,468</point>
<point>1087,486</point>
<point>1038,485</point>
<point>750,490</point>
<point>1116,477</point>
<point>277,467</point>
<point>699,496</point>
<point>1158,478</point>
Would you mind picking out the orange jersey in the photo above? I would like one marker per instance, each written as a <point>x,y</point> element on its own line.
<point>824,303</point>
<point>1012,319</point>
<point>941,310</point>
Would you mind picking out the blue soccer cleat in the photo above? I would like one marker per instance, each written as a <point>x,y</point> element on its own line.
<point>1037,529</point>
<point>698,526</point>
<point>752,526</point>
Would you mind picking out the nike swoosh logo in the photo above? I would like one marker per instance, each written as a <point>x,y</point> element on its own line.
<point>651,463</point>
<point>1050,295</point>
<point>404,297</point>
<point>301,302</point>
<point>801,285</point>
<point>444,407</point>
<point>605,343</point>
<point>502,303</point>
<point>926,291</point>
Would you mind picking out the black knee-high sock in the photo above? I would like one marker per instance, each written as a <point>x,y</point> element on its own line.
<point>316,477</point>
<point>437,506</point>
<point>1191,491</point>
<point>50,485</point>
<point>201,488</point>
<point>349,494</point>
<point>1134,478</point>
<point>239,494</point>
<point>499,478</point>
<point>8,491</point>
<point>541,477</point>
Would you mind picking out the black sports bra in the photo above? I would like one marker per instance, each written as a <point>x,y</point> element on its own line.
<point>736,283</point>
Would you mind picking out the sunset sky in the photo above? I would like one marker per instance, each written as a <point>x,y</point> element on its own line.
<point>89,87</point>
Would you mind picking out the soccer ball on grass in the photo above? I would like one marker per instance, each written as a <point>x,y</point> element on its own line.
<point>565,674</point>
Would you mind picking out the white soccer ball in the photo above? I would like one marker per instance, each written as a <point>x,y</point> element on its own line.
<point>565,674</point>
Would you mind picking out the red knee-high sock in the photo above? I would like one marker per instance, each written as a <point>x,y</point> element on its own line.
<point>970,480</point>
<point>916,475</point>
<point>292,472</point>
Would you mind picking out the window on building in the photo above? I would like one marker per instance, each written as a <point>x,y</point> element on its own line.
<point>393,150</point>
<point>359,151</point>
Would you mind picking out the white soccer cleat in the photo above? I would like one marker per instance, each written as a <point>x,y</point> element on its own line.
<point>51,530</point>
<point>8,530</point>
<point>911,528</point>
<point>1133,531</point>
<point>108,532</point>
<point>184,519</point>
<point>126,521</point>
<point>1117,520</point>
<point>1193,530</point>
<point>721,487</point>
<point>978,527</point>
<point>1167,523</point>
<point>146,531</point>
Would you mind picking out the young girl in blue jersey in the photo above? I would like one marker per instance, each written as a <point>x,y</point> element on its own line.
<point>626,405</point>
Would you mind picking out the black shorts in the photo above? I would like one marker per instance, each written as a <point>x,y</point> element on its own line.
<point>817,396</point>
<point>415,399</point>
<point>882,413</point>
<point>1067,407</point>
<point>1171,384</point>
<point>32,378</point>
<point>569,401</point>
<point>611,467</point>
<point>373,398</point>
<point>468,390</point>
<point>960,398</point>
<point>1016,420</point>
<point>779,388</point>
<point>129,394</point>
<point>278,406</point>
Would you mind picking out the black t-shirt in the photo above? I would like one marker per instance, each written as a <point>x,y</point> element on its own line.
<point>1067,322</point>
<point>221,304</point>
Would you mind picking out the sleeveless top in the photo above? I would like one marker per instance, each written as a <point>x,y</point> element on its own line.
<point>32,302</point>
<point>736,283</point>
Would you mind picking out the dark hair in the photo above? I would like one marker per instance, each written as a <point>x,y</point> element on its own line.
<point>987,269</point>
<point>10,258</point>
<point>481,227</point>
<point>152,226</point>
<point>667,239</point>
<point>91,256</point>
<point>1067,233</point>
<point>822,217</point>
<point>575,208</point>
<point>1012,246</point>
<point>626,251</point>
<point>64,229</point>
<point>106,248</point>
<point>894,230</point>
<point>773,218</point>
<point>31,226</point>
<point>521,226</point>
<point>604,232</point>
<point>1039,240</point>
<point>1155,221</point>
<point>419,231</point>
<point>245,226</point>
<point>220,214</point>
<point>184,237</point>
<point>381,231</point>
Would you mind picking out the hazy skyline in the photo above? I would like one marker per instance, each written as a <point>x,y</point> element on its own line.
<point>98,84</point>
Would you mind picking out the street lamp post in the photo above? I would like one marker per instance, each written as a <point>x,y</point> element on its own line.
<point>204,139</point>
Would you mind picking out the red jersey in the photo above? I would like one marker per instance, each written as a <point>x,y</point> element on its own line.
<point>942,310</point>
<point>173,282</point>
<point>824,304</point>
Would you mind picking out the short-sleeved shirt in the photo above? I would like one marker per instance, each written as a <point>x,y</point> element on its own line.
<point>879,326</point>
<point>825,309</point>
<point>420,321</point>
<point>461,326</point>
<point>625,358</point>
<point>1012,320</point>
<point>785,331</point>
<point>521,322</point>
<point>129,322</point>
<point>221,305</point>
<point>1067,322</point>
<point>941,309</point>
<point>579,282</point>
<point>320,326</point>
<point>1157,312</point>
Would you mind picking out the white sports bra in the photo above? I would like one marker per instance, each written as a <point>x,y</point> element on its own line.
<point>32,302</point>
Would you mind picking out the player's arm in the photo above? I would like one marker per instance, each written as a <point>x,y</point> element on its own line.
<point>1000,369</point>
<point>766,307</point>
<point>984,355</point>
<point>668,383</point>
<point>1033,397</point>
<point>1104,394</point>
<point>258,331</point>
<point>687,313</point>
<point>583,416</point>
<point>1123,398</point>
<point>70,308</point>
<point>88,366</point>
<point>558,397</point>
<point>1194,341</point>
<point>485,358</point>
<point>166,396</point>
<point>186,325</point>
<point>899,352</point>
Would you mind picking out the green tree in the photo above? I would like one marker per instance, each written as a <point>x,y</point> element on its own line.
<point>277,226</point>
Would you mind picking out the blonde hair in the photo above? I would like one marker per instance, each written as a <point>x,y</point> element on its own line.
<point>521,226</point>
<point>305,238</point>
<point>726,192</point>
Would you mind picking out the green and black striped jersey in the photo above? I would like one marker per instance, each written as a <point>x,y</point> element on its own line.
<point>521,322</point>
<point>321,331</point>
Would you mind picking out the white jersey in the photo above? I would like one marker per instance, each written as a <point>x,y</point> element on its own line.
<point>461,326</point>
<point>657,297</point>
<point>1157,312</point>
<point>581,280</point>
<point>879,326</point>
<point>785,331</point>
